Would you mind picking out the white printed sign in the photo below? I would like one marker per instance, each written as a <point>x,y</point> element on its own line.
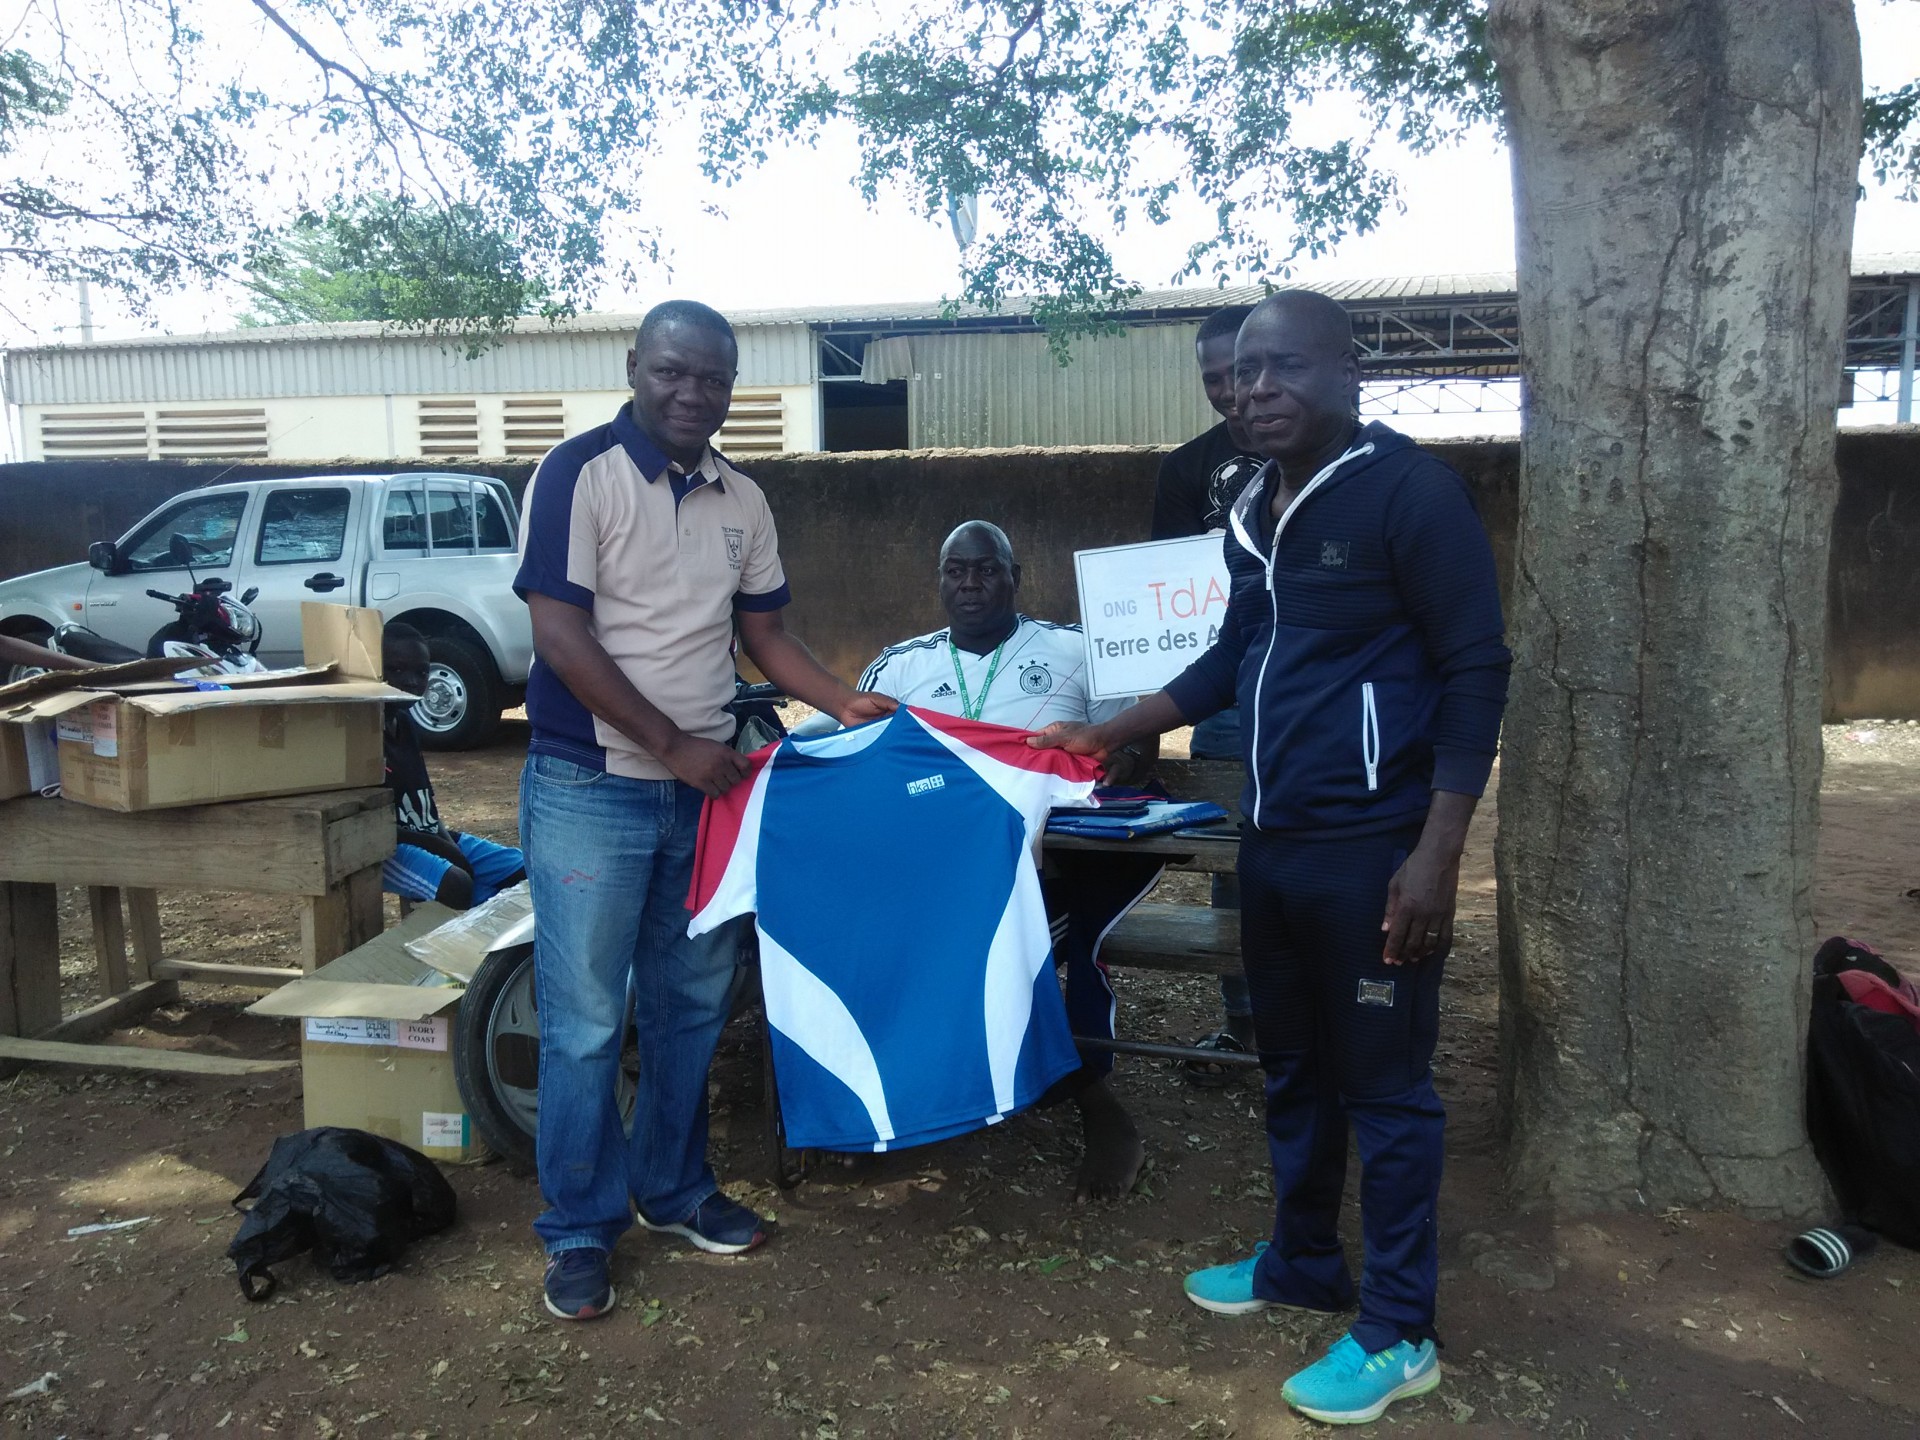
<point>1149,611</point>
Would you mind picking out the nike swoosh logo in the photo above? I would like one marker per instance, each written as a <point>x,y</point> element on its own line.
<point>1410,1369</point>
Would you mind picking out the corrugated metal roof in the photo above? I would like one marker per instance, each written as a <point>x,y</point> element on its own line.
<point>587,352</point>
<point>995,390</point>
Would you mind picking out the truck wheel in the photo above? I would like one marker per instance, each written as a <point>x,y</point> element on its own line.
<point>461,709</point>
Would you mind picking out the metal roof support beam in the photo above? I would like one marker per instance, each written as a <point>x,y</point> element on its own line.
<point>1909,339</point>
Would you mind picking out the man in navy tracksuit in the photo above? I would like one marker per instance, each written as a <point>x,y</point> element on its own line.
<point>1363,643</point>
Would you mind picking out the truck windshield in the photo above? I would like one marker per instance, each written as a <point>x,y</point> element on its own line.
<point>209,521</point>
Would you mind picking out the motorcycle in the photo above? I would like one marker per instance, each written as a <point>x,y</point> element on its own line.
<point>496,1043</point>
<point>211,628</point>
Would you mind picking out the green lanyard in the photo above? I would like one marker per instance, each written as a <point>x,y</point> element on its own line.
<point>968,710</point>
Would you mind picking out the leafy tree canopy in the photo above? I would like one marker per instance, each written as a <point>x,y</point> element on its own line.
<point>397,261</point>
<point>532,121</point>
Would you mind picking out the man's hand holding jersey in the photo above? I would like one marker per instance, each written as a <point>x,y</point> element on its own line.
<point>1153,716</point>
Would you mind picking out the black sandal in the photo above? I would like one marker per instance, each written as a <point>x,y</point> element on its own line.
<point>1826,1250</point>
<point>1207,1074</point>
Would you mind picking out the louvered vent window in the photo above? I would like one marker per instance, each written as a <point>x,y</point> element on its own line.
<point>102,435</point>
<point>533,427</point>
<point>449,427</point>
<point>211,434</point>
<point>756,425</point>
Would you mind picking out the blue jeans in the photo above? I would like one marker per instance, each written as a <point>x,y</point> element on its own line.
<point>1218,738</point>
<point>610,860</point>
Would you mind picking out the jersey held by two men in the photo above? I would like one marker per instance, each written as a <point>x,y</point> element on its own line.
<point>904,951</point>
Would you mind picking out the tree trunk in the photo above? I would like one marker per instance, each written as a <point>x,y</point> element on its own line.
<point>1684,176</point>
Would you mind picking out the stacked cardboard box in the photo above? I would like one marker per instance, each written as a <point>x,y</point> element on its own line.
<point>131,737</point>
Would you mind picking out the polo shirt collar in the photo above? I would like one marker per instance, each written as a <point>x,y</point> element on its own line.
<point>647,457</point>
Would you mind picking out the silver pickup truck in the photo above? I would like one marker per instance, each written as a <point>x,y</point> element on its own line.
<point>434,550</point>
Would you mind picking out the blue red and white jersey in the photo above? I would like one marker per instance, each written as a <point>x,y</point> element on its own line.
<point>904,953</point>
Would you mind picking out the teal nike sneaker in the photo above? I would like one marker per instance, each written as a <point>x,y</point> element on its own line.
<point>1228,1289</point>
<point>1347,1386</point>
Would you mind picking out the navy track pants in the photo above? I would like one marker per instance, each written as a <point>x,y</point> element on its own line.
<point>1345,1040</point>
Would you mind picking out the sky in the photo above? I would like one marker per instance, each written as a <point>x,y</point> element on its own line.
<point>797,233</point>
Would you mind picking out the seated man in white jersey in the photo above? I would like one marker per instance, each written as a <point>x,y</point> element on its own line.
<point>994,664</point>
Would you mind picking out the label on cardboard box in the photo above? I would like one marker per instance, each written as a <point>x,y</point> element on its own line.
<point>106,738</point>
<point>441,1130</point>
<point>326,1030</point>
<point>428,1034</point>
<point>75,727</point>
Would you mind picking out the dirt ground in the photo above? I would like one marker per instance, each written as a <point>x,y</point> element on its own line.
<point>952,1290</point>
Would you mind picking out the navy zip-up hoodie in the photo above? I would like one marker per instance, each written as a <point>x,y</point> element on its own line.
<point>1362,641</point>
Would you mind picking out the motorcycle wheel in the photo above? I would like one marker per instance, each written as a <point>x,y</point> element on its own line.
<point>496,1058</point>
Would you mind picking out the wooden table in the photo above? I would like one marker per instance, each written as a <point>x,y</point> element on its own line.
<point>325,849</point>
<point>1211,850</point>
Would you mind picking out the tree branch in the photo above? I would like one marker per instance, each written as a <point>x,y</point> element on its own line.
<point>372,95</point>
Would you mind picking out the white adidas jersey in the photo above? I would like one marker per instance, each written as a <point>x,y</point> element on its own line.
<point>1042,677</point>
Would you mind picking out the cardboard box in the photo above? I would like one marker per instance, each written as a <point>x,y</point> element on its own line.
<point>154,752</point>
<point>29,754</point>
<point>29,759</point>
<point>376,1047</point>
<point>128,741</point>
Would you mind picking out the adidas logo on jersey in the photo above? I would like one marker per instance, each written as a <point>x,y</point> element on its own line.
<point>945,692</point>
<point>921,787</point>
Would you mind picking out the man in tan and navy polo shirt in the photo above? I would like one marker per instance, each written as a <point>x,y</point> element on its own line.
<point>642,552</point>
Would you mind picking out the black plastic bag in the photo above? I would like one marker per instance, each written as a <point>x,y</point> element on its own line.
<point>354,1199</point>
<point>1863,1096</point>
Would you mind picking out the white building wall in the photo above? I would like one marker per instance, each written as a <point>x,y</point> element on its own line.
<point>348,360</point>
<point>372,427</point>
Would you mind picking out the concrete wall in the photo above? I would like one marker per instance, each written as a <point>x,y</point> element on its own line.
<point>859,534</point>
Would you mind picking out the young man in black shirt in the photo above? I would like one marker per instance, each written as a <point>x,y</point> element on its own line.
<point>430,861</point>
<point>1195,493</point>
<point>1200,481</point>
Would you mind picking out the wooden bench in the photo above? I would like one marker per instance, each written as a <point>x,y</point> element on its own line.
<point>1189,939</point>
<point>326,849</point>
<point>1183,939</point>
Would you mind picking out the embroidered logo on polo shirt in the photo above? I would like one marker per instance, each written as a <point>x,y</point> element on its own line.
<point>736,542</point>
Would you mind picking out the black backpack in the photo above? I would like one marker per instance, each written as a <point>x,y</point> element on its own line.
<point>1863,1096</point>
